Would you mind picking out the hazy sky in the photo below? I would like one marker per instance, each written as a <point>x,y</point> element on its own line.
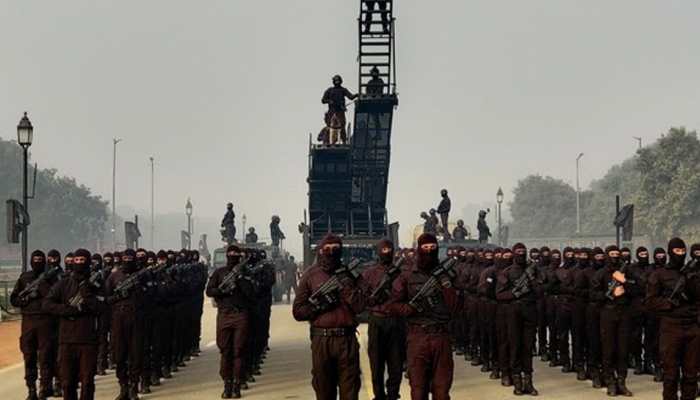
<point>224,94</point>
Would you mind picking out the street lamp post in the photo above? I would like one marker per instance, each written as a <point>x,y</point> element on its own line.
<point>25,136</point>
<point>153,218</point>
<point>115,141</point>
<point>188,211</point>
<point>578,196</point>
<point>499,200</point>
<point>243,219</point>
<point>639,141</point>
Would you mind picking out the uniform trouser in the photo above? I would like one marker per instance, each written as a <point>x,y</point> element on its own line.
<point>541,326</point>
<point>502,339</point>
<point>473,325</point>
<point>564,324</point>
<point>386,339</point>
<point>78,365</point>
<point>127,344</point>
<point>254,339</point>
<point>489,352</point>
<point>636,331</point>
<point>578,335</point>
<point>550,311</point>
<point>444,220</point>
<point>521,324</point>
<point>680,353</point>
<point>335,367</point>
<point>166,337</point>
<point>430,364</point>
<point>593,355</point>
<point>36,344</point>
<point>614,333</point>
<point>149,340</point>
<point>651,337</point>
<point>198,321</point>
<point>231,337</point>
<point>179,332</point>
<point>158,343</point>
<point>55,355</point>
<point>103,330</point>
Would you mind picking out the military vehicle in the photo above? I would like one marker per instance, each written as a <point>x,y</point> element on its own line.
<point>348,182</point>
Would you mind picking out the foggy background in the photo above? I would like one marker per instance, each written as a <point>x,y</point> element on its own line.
<point>224,95</point>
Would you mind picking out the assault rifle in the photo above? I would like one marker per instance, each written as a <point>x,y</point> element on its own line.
<point>228,284</point>
<point>521,287</point>
<point>385,285</point>
<point>32,290</point>
<point>127,285</point>
<point>614,284</point>
<point>426,292</point>
<point>326,294</point>
<point>689,269</point>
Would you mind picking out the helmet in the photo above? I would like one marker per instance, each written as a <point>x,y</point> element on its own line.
<point>229,205</point>
<point>338,78</point>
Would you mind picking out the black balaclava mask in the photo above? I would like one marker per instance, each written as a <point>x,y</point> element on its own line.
<point>506,258</point>
<point>108,260</point>
<point>81,264</point>
<point>233,255</point>
<point>385,251</point>
<point>535,255</point>
<point>695,248</point>
<point>626,255</point>
<point>38,261</point>
<point>584,260</point>
<point>520,254</point>
<point>151,258</point>
<point>56,256</point>
<point>427,260</point>
<point>128,260</point>
<point>488,258</point>
<point>660,257</point>
<point>329,258</point>
<point>614,261</point>
<point>545,256</point>
<point>141,258</point>
<point>676,261</point>
<point>171,258</point>
<point>598,262</point>
<point>555,260</point>
<point>461,254</point>
<point>642,255</point>
<point>569,257</point>
<point>96,262</point>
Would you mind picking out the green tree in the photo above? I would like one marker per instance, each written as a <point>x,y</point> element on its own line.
<point>543,206</point>
<point>64,215</point>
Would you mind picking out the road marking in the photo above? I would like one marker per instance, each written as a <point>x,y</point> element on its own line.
<point>211,344</point>
<point>364,366</point>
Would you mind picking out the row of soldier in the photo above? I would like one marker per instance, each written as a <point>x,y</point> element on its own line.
<point>134,311</point>
<point>422,308</point>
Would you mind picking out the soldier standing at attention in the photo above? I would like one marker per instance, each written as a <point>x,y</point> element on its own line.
<point>335,96</point>
<point>228,223</point>
<point>444,211</point>
<point>334,347</point>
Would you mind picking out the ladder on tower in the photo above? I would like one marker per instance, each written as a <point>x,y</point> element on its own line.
<point>377,43</point>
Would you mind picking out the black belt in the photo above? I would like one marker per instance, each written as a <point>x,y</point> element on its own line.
<point>332,332</point>
<point>433,328</point>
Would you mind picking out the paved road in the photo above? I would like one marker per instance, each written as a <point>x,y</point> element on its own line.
<point>286,374</point>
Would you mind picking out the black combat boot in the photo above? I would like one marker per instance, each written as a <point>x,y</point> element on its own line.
<point>528,387</point>
<point>495,374</point>
<point>57,389</point>
<point>236,390</point>
<point>166,373</point>
<point>506,380</point>
<point>581,374</point>
<point>145,386</point>
<point>638,367</point>
<point>133,391</point>
<point>476,361</point>
<point>228,390</point>
<point>595,377</point>
<point>155,379</point>
<point>517,385</point>
<point>612,386</point>
<point>123,392</point>
<point>31,392</point>
<point>658,374</point>
<point>648,367</point>
<point>486,367</point>
<point>622,388</point>
<point>566,368</point>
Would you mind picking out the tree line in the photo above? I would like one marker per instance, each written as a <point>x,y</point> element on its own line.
<point>662,180</point>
